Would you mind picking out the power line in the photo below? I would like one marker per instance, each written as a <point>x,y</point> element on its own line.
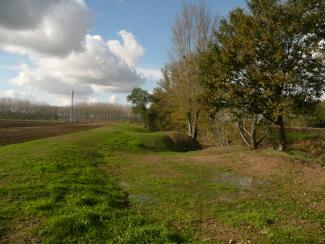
<point>71,108</point>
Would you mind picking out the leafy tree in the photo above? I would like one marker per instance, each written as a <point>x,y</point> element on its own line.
<point>269,60</point>
<point>140,99</point>
<point>166,106</point>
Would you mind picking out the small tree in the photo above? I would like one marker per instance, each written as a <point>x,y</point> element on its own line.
<point>270,60</point>
<point>140,99</point>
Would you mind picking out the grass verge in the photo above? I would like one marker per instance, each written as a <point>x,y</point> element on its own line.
<point>123,184</point>
<point>52,190</point>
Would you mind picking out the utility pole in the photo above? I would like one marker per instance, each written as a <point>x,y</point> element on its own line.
<point>71,108</point>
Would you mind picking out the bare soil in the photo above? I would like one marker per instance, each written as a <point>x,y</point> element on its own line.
<point>11,133</point>
<point>21,232</point>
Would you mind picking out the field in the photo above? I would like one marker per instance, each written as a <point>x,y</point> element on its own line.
<point>16,131</point>
<point>123,184</point>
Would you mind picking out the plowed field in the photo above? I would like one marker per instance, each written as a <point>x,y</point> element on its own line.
<point>21,131</point>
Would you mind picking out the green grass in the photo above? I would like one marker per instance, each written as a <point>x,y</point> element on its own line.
<point>123,184</point>
<point>57,183</point>
<point>184,196</point>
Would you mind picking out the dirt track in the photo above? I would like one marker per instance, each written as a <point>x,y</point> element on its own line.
<point>16,134</point>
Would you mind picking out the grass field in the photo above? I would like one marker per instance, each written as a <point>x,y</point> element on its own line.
<point>123,184</point>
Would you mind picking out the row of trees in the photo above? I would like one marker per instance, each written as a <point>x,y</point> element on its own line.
<point>98,112</point>
<point>257,67</point>
<point>23,109</point>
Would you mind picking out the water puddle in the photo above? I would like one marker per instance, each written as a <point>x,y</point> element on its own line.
<point>239,181</point>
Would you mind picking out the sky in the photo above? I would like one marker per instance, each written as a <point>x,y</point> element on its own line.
<point>101,49</point>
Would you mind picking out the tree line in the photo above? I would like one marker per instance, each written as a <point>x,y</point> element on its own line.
<point>25,110</point>
<point>259,68</point>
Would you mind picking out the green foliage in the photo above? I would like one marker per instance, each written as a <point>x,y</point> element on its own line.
<point>167,107</point>
<point>317,118</point>
<point>268,60</point>
<point>140,99</point>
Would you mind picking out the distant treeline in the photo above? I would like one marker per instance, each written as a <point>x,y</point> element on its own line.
<point>23,109</point>
<point>97,112</point>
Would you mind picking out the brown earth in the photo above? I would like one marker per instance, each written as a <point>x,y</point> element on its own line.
<point>28,123</point>
<point>21,232</point>
<point>11,134</point>
<point>299,181</point>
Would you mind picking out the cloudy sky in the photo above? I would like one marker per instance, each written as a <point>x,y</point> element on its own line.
<point>101,49</point>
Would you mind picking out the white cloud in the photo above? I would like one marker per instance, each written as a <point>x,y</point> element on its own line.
<point>128,50</point>
<point>44,27</point>
<point>38,78</point>
<point>95,65</point>
<point>91,100</point>
<point>53,34</point>
<point>9,67</point>
<point>29,13</point>
<point>150,74</point>
<point>36,96</point>
<point>113,99</point>
<point>17,95</point>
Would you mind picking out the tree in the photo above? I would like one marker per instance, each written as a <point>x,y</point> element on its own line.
<point>268,61</point>
<point>140,99</point>
<point>190,36</point>
<point>166,110</point>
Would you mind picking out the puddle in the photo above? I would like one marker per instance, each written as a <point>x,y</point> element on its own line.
<point>239,181</point>
<point>141,198</point>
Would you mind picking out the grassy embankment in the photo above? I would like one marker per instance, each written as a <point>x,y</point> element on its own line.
<point>305,146</point>
<point>123,184</point>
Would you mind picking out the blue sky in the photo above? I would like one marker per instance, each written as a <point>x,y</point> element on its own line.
<point>33,71</point>
<point>149,20</point>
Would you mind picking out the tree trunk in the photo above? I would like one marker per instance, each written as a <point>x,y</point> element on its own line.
<point>242,132</point>
<point>253,141</point>
<point>195,132</point>
<point>189,124</point>
<point>196,121</point>
<point>145,121</point>
<point>219,136</point>
<point>282,136</point>
<point>253,135</point>
<point>250,136</point>
<point>189,129</point>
